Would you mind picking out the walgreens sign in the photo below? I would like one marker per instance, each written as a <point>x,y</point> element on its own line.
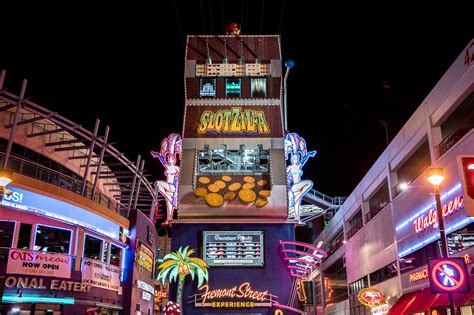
<point>431,219</point>
<point>28,262</point>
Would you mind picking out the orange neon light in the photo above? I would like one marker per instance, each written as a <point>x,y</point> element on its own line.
<point>300,289</point>
<point>419,275</point>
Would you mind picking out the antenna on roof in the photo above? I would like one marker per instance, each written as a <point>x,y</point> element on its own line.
<point>208,60</point>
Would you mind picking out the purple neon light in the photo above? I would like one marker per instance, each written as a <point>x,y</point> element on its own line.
<point>301,253</point>
<point>299,268</point>
<point>301,261</point>
<point>305,245</point>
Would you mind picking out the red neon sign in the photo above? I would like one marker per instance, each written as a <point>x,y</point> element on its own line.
<point>425,221</point>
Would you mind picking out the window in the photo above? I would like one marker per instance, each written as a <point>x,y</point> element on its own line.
<point>258,87</point>
<point>93,247</point>
<point>7,229</point>
<point>208,88</point>
<point>24,236</point>
<point>232,87</point>
<point>378,201</point>
<point>51,239</point>
<point>457,124</point>
<point>414,166</point>
<point>384,273</point>
<point>420,257</point>
<point>115,255</point>
<point>354,224</point>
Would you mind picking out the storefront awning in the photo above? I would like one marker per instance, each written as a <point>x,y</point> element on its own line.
<point>423,300</point>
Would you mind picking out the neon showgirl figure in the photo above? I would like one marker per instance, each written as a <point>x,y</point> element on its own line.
<point>295,150</point>
<point>170,149</point>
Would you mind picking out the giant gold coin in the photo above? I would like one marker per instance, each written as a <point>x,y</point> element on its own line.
<point>248,186</point>
<point>204,180</point>
<point>264,194</point>
<point>249,179</point>
<point>247,195</point>
<point>200,192</point>
<point>213,188</point>
<point>234,186</point>
<point>226,178</point>
<point>214,200</point>
<point>262,182</point>
<point>260,202</point>
<point>228,196</point>
<point>219,184</point>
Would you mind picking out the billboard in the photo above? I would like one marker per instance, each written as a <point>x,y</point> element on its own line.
<point>233,121</point>
<point>101,275</point>
<point>29,262</point>
<point>233,248</point>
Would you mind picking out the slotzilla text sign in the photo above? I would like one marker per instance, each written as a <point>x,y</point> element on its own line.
<point>100,275</point>
<point>29,262</point>
<point>229,248</point>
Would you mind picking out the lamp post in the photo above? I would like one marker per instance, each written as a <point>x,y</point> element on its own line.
<point>435,176</point>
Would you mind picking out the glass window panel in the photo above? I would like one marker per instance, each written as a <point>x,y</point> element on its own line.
<point>24,236</point>
<point>6,233</point>
<point>92,247</point>
<point>115,255</point>
<point>50,239</point>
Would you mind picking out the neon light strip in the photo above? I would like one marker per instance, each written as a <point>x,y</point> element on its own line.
<point>289,308</point>
<point>304,245</point>
<point>430,206</point>
<point>299,268</point>
<point>436,236</point>
<point>36,299</point>
<point>301,261</point>
<point>301,253</point>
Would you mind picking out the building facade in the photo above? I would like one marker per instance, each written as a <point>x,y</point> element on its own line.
<point>232,203</point>
<point>71,238</point>
<point>383,235</point>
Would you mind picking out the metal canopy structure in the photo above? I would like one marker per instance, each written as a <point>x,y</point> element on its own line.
<point>319,204</point>
<point>98,157</point>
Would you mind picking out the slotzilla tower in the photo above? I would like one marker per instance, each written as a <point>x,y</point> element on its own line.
<point>232,197</point>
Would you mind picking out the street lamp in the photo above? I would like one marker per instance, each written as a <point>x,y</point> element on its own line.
<point>5,179</point>
<point>435,175</point>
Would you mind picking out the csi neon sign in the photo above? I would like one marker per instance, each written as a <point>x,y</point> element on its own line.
<point>425,221</point>
<point>233,121</point>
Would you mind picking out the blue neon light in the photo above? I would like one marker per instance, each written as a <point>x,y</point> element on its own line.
<point>32,202</point>
<point>36,299</point>
<point>436,236</point>
<point>427,208</point>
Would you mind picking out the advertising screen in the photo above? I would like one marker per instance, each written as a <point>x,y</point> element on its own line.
<point>233,248</point>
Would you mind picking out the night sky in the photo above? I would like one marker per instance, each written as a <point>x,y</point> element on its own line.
<point>109,61</point>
